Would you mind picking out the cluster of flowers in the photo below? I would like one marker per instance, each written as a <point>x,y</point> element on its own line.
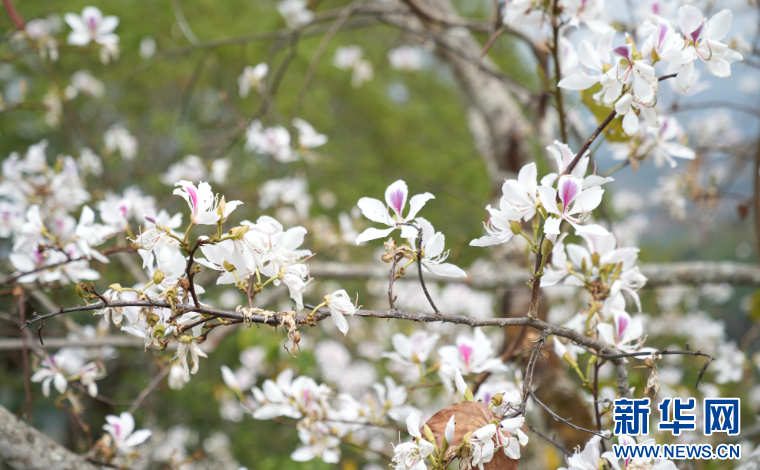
<point>324,420</point>
<point>589,458</point>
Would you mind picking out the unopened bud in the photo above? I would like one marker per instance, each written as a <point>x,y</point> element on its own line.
<point>153,319</point>
<point>237,233</point>
<point>546,247</point>
<point>515,226</point>
<point>595,259</point>
<point>158,276</point>
<point>80,291</point>
<point>117,287</point>
<point>159,330</point>
<point>428,433</point>
<point>497,399</point>
<point>186,339</point>
<point>228,266</point>
<point>222,207</point>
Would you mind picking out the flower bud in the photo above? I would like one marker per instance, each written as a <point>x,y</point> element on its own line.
<point>117,287</point>
<point>497,399</point>
<point>80,291</point>
<point>153,319</point>
<point>595,259</point>
<point>237,233</point>
<point>428,433</point>
<point>159,330</point>
<point>222,207</point>
<point>158,276</point>
<point>515,226</point>
<point>186,339</point>
<point>546,247</point>
<point>228,266</point>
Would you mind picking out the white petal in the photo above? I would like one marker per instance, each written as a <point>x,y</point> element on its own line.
<point>373,234</point>
<point>413,425</point>
<point>416,203</point>
<point>578,81</point>
<point>719,25</point>
<point>374,210</point>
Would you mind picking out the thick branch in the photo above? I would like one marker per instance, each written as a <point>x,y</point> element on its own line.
<point>25,448</point>
<point>273,318</point>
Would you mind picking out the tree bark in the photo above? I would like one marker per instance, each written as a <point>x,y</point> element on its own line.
<point>25,448</point>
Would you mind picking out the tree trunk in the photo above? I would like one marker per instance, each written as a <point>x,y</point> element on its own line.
<point>25,448</point>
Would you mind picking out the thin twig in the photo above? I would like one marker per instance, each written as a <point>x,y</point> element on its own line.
<point>152,385</point>
<point>550,441</point>
<point>566,421</point>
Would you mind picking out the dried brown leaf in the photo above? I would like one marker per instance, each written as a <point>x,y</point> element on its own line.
<point>469,416</point>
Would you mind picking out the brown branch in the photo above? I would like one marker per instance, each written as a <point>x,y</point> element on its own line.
<point>18,22</point>
<point>550,441</point>
<point>151,386</point>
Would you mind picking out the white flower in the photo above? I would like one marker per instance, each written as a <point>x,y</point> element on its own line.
<point>296,277</point>
<point>50,373</point>
<point>395,197</point>
<point>252,78</point>
<point>204,204</point>
<point>117,137</point>
<point>570,191</point>
<point>406,58</point>
<point>230,379</point>
<point>91,26</point>
<point>308,138</point>
<point>147,47</point>
<point>505,436</point>
<point>82,81</point>
<point>122,430</point>
<point>340,304</point>
<point>433,256</point>
<point>177,378</point>
<point>518,202</point>
<point>346,57</point>
<point>295,12</point>
<point>704,38</point>
<point>482,445</point>
<point>588,459</point>
<point>469,355</point>
<point>627,332</point>
<point>195,352</point>
<point>318,441</point>
<point>273,141</point>
<point>109,312</point>
<point>414,349</point>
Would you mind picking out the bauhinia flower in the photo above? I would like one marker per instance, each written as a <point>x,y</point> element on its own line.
<point>625,335</point>
<point>433,256</point>
<point>122,431</point>
<point>189,346</point>
<point>91,26</point>
<point>482,447</point>
<point>395,198</point>
<point>252,78</point>
<point>412,455</point>
<point>573,199</point>
<point>586,460</point>
<point>518,202</point>
<point>509,436</point>
<point>704,39</point>
<point>204,204</point>
<point>414,349</point>
<point>308,138</point>
<point>469,355</point>
<point>340,305</point>
<point>50,373</point>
